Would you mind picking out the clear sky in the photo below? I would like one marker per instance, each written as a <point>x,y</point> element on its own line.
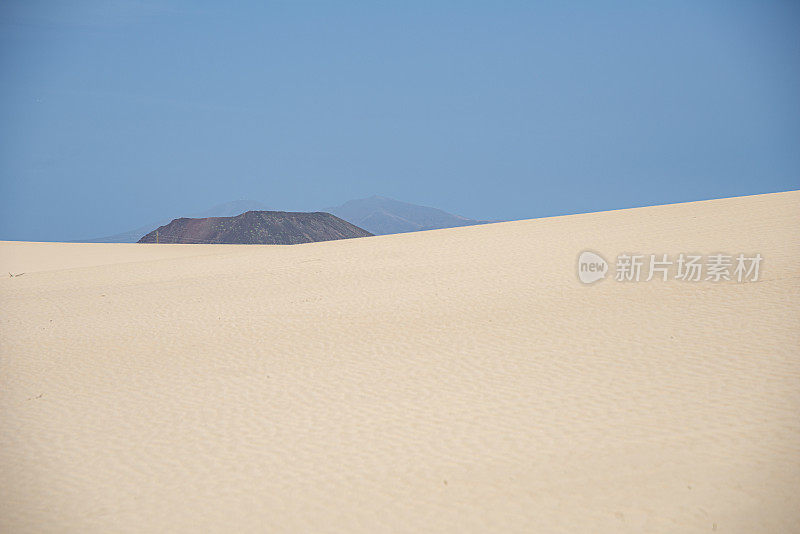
<point>117,113</point>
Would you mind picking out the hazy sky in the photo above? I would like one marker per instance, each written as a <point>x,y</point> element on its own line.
<point>117,113</point>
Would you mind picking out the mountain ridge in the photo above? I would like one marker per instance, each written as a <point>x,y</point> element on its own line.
<point>256,228</point>
<point>377,214</point>
<point>382,215</point>
<point>226,209</point>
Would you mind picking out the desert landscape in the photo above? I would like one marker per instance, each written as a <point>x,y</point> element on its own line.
<point>455,380</point>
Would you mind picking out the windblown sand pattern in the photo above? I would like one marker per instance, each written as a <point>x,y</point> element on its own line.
<point>454,380</point>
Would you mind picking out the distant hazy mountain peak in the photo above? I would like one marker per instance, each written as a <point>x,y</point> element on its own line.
<point>382,215</point>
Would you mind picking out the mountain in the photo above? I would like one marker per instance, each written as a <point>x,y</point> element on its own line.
<point>226,209</point>
<point>381,215</point>
<point>377,215</point>
<point>230,209</point>
<point>257,227</point>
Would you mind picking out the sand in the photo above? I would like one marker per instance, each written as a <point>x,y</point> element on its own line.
<point>458,380</point>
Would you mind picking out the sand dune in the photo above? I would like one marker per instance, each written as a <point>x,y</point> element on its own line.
<point>454,380</point>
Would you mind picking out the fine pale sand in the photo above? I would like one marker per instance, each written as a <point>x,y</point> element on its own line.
<point>453,380</point>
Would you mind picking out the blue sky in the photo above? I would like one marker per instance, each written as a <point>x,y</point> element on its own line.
<point>117,113</point>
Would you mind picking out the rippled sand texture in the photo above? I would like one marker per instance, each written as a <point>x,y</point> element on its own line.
<point>453,380</point>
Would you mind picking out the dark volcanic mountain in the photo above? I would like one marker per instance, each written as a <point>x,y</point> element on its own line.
<point>227,209</point>
<point>257,228</point>
<point>381,215</point>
